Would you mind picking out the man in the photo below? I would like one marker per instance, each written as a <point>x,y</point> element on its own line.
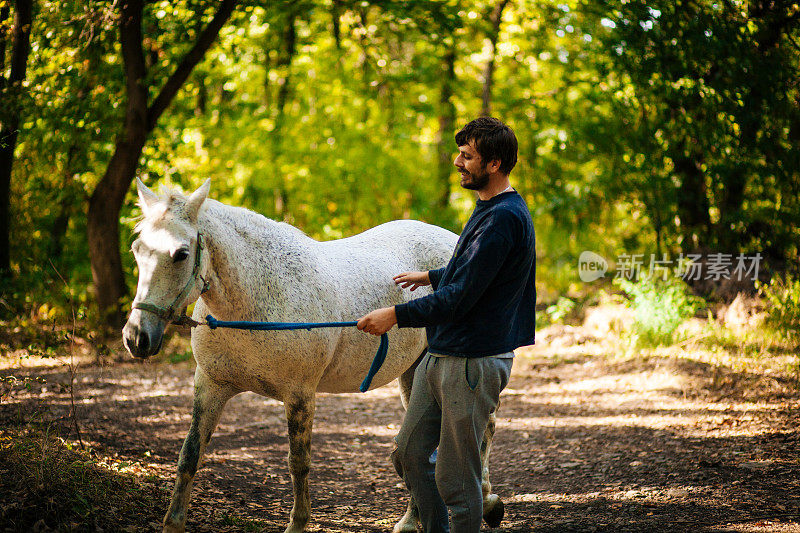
<point>482,308</point>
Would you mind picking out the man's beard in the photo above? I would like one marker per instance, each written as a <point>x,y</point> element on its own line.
<point>476,181</point>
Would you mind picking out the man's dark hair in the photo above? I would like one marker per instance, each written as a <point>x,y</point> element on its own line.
<point>493,140</point>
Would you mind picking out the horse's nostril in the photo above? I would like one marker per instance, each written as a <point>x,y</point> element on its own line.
<point>142,342</point>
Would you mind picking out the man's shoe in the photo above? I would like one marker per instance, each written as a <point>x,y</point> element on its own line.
<point>495,516</point>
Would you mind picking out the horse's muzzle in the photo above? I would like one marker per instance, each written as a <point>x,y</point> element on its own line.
<point>142,342</point>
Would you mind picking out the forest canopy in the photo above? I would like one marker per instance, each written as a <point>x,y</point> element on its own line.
<point>644,127</point>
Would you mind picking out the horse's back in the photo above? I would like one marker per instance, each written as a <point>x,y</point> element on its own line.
<point>417,245</point>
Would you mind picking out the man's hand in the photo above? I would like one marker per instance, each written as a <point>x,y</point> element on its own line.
<point>412,279</point>
<point>378,321</point>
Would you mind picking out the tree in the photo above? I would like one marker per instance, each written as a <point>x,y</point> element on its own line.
<point>141,117</point>
<point>494,33</point>
<point>712,107</point>
<point>12,91</point>
<point>447,118</point>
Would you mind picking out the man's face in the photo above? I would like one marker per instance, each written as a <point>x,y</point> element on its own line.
<point>474,175</point>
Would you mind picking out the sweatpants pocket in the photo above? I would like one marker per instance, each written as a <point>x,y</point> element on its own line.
<point>471,375</point>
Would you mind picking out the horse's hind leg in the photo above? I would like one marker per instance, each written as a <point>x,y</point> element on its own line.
<point>493,507</point>
<point>300,417</point>
<point>408,524</point>
<point>209,400</point>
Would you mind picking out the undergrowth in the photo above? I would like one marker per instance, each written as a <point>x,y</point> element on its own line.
<point>660,306</point>
<point>783,312</point>
<point>48,485</point>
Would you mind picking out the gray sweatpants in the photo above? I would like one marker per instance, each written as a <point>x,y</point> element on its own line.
<point>451,400</point>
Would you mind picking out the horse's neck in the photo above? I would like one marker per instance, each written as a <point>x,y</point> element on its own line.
<point>248,253</point>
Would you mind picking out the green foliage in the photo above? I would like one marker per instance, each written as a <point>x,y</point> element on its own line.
<point>706,115</point>
<point>627,140</point>
<point>181,356</point>
<point>555,313</point>
<point>659,306</point>
<point>783,312</point>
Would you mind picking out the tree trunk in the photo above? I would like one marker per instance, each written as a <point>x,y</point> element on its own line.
<point>488,73</point>
<point>103,225</point>
<point>285,60</point>
<point>201,102</point>
<point>107,198</point>
<point>66,207</point>
<point>693,203</point>
<point>447,118</point>
<point>5,10</point>
<point>23,18</point>
<point>336,13</point>
<point>285,63</point>
<point>109,195</point>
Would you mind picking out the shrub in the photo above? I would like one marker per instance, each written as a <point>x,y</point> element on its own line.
<point>555,313</point>
<point>659,306</point>
<point>48,485</point>
<point>783,311</point>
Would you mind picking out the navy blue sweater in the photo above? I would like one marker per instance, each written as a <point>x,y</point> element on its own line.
<point>483,300</point>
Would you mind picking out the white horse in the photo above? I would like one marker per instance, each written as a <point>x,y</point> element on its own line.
<point>247,267</point>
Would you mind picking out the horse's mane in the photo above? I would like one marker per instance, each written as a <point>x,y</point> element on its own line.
<point>171,201</point>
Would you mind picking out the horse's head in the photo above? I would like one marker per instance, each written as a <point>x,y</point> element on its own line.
<point>171,264</point>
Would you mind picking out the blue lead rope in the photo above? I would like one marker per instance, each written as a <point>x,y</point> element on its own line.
<point>380,355</point>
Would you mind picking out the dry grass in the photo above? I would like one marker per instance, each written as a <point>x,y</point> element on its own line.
<point>47,484</point>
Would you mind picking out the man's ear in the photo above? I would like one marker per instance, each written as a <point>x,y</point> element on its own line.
<point>494,166</point>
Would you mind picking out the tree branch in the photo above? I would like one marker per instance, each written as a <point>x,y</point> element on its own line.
<point>496,19</point>
<point>190,60</point>
<point>130,37</point>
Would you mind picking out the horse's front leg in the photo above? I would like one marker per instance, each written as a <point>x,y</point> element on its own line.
<point>209,400</point>
<point>300,418</point>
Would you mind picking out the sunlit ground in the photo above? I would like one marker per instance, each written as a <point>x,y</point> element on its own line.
<point>593,434</point>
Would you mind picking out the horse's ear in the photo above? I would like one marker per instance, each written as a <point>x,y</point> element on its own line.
<point>196,200</point>
<point>147,198</point>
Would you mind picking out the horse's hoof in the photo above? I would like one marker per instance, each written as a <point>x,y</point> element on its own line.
<point>405,527</point>
<point>293,528</point>
<point>410,521</point>
<point>495,514</point>
<point>169,528</point>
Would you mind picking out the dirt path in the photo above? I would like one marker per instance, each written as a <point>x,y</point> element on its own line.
<point>584,443</point>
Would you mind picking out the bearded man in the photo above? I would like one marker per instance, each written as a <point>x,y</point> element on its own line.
<point>482,308</point>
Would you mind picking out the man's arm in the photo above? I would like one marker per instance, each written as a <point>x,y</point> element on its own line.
<point>381,320</point>
<point>475,268</point>
<point>435,276</point>
<point>414,280</point>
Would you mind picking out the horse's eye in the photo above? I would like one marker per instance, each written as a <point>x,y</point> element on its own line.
<point>180,255</point>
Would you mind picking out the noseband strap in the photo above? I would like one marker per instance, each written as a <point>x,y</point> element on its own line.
<point>169,313</point>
